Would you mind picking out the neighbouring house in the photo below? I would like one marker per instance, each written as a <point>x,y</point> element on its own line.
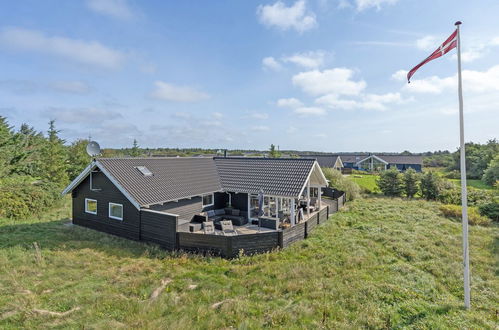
<point>174,201</point>
<point>370,162</point>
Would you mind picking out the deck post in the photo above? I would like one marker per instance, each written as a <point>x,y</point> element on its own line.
<point>308,198</point>
<point>293,219</point>
<point>319,192</point>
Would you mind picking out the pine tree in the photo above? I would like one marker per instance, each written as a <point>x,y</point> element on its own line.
<point>273,152</point>
<point>78,158</point>
<point>135,151</point>
<point>6,146</point>
<point>54,157</point>
<point>429,186</point>
<point>390,182</point>
<point>410,180</point>
<point>26,159</point>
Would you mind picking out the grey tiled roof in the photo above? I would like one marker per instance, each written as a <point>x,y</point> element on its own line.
<point>400,159</point>
<point>329,160</point>
<point>324,160</point>
<point>173,178</point>
<point>275,176</point>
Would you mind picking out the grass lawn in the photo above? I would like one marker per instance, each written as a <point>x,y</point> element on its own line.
<point>479,184</point>
<point>366,181</point>
<point>380,263</point>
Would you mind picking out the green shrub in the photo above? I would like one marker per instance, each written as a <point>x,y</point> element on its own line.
<point>450,193</point>
<point>429,185</point>
<point>21,197</point>
<point>410,182</point>
<point>491,174</point>
<point>390,182</point>
<point>474,217</point>
<point>490,210</point>
<point>340,182</point>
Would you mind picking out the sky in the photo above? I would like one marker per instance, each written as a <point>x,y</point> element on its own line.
<point>321,75</point>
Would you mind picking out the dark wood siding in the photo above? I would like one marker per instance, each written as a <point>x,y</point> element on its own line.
<point>184,208</point>
<point>254,243</point>
<point>293,234</point>
<point>203,243</point>
<point>160,228</point>
<point>228,246</point>
<point>108,193</point>
<point>239,201</point>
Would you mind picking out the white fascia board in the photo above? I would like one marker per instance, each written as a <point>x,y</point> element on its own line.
<point>372,156</point>
<point>79,178</point>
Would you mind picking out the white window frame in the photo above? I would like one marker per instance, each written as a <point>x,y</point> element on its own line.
<point>86,208</point>
<point>212,200</point>
<point>112,216</point>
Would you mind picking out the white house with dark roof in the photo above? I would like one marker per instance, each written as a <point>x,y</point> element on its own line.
<point>369,162</point>
<point>153,199</point>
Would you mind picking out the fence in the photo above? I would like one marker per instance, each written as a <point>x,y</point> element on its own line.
<point>232,246</point>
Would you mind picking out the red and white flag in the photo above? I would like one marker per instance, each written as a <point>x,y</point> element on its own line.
<point>446,47</point>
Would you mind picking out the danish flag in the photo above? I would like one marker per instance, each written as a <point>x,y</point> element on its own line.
<point>446,47</point>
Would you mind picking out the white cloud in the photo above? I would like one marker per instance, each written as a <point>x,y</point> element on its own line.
<point>260,128</point>
<point>310,111</point>
<point>271,63</point>
<point>76,87</point>
<point>429,42</point>
<point>217,115</point>
<point>88,52</point>
<point>473,81</point>
<point>29,87</point>
<point>367,4</point>
<point>400,75</point>
<point>366,102</point>
<point>289,103</point>
<point>291,129</point>
<point>334,81</point>
<point>115,8</point>
<point>170,92</point>
<point>81,115</point>
<point>320,135</point>
<point>294,17</point>
<point>309,60</point>
<point>260,116</point>
<point>182,115</point>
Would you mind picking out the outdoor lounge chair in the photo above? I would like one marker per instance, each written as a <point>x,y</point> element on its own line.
<point>227,228</point>
<point>209,227</point>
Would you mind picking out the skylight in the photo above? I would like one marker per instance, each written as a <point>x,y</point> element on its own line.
<point>144,170</point>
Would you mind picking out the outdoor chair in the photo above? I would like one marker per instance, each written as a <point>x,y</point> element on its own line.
<point>228,228</point>
<point>209,227</point>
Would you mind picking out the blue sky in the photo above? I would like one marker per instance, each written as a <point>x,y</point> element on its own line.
<point>308,75</point>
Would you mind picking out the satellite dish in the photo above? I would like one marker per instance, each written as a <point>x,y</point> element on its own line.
<point>93,149</point>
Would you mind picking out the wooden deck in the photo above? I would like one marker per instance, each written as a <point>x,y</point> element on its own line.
<point>253,239</point>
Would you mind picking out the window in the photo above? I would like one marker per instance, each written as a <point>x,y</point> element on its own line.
<point>207,200</point>
<point>116,211</point>
<point>144,170</point>
<point>90,206</point>
<point>314,192</point>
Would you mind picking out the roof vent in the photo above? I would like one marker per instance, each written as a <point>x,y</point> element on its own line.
<point>144,170</point>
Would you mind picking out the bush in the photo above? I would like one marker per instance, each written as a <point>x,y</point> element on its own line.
<point>450,193</point>
<point>454,174</point>
<point>410,180</point>
<point>491,174</point>
<point>390,182</point>
<point>340,182</point>
<point>490,210</point>
<point>474,217</point>
<point>429,186</point>
<point>21,197</point>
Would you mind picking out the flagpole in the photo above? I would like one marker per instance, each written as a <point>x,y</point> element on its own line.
<point>464,195</point>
